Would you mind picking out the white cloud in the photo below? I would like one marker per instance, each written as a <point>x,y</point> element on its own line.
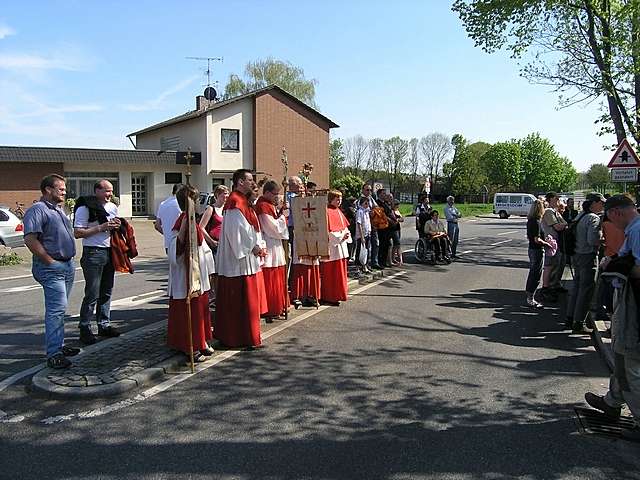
<point>158,102</point>
<point>63,57</point>
<point>6,30</point>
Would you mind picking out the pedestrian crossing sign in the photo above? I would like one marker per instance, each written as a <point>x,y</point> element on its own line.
<point>625,156</point>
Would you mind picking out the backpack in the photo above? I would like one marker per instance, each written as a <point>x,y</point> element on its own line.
<point>570,236</point>
<point>379,219</point>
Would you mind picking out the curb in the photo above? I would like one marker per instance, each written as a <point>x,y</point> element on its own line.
<point>41,386</point>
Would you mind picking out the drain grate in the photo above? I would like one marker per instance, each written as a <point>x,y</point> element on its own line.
<point>597,423</point>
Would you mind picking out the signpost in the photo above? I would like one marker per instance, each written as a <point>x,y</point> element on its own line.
<point>624,164</point>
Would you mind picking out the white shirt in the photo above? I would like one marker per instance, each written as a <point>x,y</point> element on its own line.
<point>168,213</point>
<point>338,248</point>
<point>274,231</point>
<point>451,213</point>
<point>100,239</point>
<point>177,287</point>
<point>237,239</point>
<point>363,218</point>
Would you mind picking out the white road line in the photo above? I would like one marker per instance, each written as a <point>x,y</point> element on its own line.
<point>507,233</point>
<point>167,384</point>
<point>466,239</point>
<point>465,252</point>
<point>499,243</point>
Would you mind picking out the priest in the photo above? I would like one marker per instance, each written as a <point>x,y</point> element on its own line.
<point>240,251</point>
<point>333,269</point>
<point>273,226</point>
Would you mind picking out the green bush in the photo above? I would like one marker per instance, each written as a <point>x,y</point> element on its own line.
<point>350,185</point>
<point>10,258</point>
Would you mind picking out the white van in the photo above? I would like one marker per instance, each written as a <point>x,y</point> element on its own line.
<point>507,204</point>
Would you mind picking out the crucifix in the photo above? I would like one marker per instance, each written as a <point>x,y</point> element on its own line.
<point>188,157</point>
<point>308,209</point>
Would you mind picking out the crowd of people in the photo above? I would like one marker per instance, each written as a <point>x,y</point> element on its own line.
<point>601,244</point>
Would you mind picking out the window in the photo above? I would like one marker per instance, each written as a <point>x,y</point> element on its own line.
<point>230,139</point>
<point>3,216</point>
<point>170,143</point>
<point>528,200</point>
<point>515,199</point>
<point>215,182</point>
<point>172,177</point>
<point>81,183</point>
<point>502,199</point>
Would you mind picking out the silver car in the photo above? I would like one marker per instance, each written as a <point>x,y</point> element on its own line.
<point>11,229</point>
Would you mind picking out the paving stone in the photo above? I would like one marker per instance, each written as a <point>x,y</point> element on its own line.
<point>93,380</point>
<point>77,383</point>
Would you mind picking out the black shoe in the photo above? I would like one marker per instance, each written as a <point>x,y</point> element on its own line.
<point>568,323</point>
<point>58,361</point>
<point>559,289</point>
<point>580,330</point>
<point>547,295</point>
<point>268,319</point>
<point>632,435</point>
<point>307,302</point>
<point>377,267</point>
<point>70,351</point>
<point>86,336</point>
<point>297,304</point>
<point>597,402</point>
<point>109,332</point>
<point>331,304</point>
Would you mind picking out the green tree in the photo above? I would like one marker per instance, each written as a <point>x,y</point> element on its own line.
<point>587,49</point>
<point>394,159</point>
<point>262,73</point>
<point>350,185</point>
<point>598,177</point>
<point>502,164</point>
<point>543,168</point>
<point>336,160</point>
<point>464,173</point>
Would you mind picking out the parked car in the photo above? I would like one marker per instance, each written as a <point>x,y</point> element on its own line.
<point>507,204</point>
<point>11,229</point>
<point>203,203</point>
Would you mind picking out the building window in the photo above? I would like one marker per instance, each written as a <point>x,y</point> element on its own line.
<point>230,139</point>
<point>170,144</point>
<point>173,177</point>
<point>81,183</point>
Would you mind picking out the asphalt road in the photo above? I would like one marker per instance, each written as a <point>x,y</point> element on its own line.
<point>438,372</point>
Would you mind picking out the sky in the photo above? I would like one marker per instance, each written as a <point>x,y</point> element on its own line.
<point>85,73</point>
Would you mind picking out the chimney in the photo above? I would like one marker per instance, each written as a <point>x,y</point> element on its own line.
<point>201,102</point>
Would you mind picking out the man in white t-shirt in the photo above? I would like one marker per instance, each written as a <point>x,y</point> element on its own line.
<point>168,213</point>
<point>95,217</point>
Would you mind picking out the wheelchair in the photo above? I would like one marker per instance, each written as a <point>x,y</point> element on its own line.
<point>425,252</point>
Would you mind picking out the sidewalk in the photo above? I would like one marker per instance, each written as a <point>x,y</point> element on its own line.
<point>118,365</point>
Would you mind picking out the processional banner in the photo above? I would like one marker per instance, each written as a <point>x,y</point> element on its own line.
<point>310,229</point>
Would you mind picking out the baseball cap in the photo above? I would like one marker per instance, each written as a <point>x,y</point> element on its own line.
<point>595,197</point>
<point>618,201</point>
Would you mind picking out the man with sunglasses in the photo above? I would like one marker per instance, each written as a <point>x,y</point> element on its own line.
<point>624,385</point>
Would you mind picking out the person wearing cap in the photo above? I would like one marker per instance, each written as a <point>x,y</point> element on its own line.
<point>585,262</point>
<point>624,384</point>
<point>554,225</point>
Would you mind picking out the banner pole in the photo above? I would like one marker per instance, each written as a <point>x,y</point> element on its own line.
<point>285,243</point>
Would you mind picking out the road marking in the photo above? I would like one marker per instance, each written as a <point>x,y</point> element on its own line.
<point>499,243</point>
<point>125,302</point>
<point>507,233</point>
<point>465,252</point>
<point>167,384</point>
<point>466,239</point>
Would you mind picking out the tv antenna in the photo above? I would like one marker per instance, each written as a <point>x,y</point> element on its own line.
<point>209,60</point>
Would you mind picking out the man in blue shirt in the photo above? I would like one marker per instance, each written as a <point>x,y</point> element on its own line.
<point>49,236</point>
<point>452,215</point>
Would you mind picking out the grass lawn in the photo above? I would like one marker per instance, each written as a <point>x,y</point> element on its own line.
<point>467,209</point>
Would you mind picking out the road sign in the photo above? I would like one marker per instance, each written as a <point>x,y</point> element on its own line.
<point>625,156</point>
<point>625,175</point>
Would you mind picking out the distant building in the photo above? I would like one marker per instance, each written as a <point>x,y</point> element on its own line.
<point>247,131</point>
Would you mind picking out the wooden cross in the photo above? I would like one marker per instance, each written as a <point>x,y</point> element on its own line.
<point>188,157</point>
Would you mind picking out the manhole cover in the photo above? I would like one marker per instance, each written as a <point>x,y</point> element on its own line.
<point>595,422</point>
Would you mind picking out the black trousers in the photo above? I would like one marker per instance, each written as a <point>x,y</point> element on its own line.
<point>384,239</point>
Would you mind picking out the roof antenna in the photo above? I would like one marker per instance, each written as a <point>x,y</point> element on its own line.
<point>208,70</point>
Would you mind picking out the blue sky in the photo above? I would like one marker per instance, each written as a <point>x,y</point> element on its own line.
<point>86,73</point>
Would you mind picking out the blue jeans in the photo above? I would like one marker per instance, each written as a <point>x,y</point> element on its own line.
<point>536,259</point>
<point>453,230</point>
<point>98,275</point>
<point>56,280</point>
<point>374,247</point>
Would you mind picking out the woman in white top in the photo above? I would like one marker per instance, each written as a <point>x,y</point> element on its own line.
<point>436,232</point>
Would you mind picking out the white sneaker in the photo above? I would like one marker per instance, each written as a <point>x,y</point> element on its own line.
<point>534,304</point>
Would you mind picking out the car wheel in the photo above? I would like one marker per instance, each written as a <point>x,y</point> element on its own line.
<point>503,214</point>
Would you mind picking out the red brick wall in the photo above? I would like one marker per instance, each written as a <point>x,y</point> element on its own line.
<point>281,122</point>
<point>20,182</point>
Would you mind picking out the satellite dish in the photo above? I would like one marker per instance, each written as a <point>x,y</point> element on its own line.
<point>210,94</point>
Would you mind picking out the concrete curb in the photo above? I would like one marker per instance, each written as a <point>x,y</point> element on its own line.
<point>41,386</point>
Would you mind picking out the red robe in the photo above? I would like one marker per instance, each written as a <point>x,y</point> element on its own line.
<point>334,271</point>
<point>177,331</point>
<point>240,298</point>
<point>274,277</point>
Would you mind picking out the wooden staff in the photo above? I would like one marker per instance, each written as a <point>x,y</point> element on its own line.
<point>188,253</point>
<point>285,243</point>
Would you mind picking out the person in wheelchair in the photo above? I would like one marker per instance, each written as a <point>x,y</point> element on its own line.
<point>436,233</point>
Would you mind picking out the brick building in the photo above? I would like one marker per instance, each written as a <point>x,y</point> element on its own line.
<point>247,131</point>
